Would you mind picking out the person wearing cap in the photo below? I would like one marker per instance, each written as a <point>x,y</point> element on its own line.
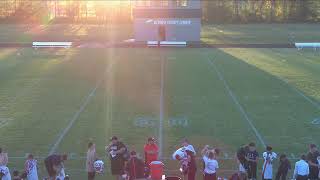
<point>301,169</point>
<point>252,157</point>
<point>116,150</point>
<point>312,158</point>
<point>135,167</point>
<point>268,157</point>
<point>151,151</point>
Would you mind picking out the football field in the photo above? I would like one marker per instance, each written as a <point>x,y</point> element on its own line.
<point>58,100</point>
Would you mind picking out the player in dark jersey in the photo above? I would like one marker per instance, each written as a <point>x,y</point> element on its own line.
<point>312,157</point>
<point>116,150</point>
<point>252,157</point>
<point>283,168</point>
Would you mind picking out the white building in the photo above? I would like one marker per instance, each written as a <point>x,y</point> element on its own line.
<point>167,20</point>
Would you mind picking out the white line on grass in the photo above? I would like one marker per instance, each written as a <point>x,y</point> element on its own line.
<point>75,117</point>
<point>160,133</point>
<point>315,104</point>
<point>236,102</point>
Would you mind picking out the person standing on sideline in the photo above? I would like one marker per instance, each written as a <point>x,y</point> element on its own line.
<point>91,158</point>
<point>268,157</point>
<point>284,167</point>
<point>301,169</point>
<point>314,165</point>
<point>252,157</point>
<point>190,152</point>
<point>116,150</point>
<point>241,158</point>
<point>4,173</point>
<point>210,164</point>
<point>151,151</point>
<point>135,167</point>
<point>3,158</point>
<point>54,165</point>
<point>31,168</point>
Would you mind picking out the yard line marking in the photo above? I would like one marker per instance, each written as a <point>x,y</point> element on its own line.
<point>236,102</point>
<point>75,117</point>
<point>314,103</point>
<point>160,133</point>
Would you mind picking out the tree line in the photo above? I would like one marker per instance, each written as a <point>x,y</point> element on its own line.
<point>119,11</point>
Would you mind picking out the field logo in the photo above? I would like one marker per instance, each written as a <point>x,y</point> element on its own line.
<point>178,122</point>
<point>316,121</point>
<point>149,21</point>
<point>145,122</point>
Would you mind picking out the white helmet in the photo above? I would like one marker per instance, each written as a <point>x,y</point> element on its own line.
<point>98,166</point>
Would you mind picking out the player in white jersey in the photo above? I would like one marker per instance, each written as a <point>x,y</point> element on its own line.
<point>4,173</point>
<point>31,168</point>
<point>268,157</point>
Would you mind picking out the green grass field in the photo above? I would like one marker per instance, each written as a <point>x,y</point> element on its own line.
<point>58,100</point>
<point>211,34</point>
<point>210,96</point>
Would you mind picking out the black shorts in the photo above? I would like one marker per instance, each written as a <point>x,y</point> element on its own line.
<point>117,167</point>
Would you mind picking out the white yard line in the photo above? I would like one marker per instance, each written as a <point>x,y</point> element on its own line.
<point>315,104</point>
<point>75,117</point>
<point>236,102</point>
<point>160,133</point>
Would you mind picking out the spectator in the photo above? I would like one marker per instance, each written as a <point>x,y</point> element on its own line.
<point>301,169</point>
<point>284,167</point>
<point>54,165</point>
<point>181,156</point>
<point>210,163</point>
<point>91,158</point>
<point>241,158</point>
<point>3,158</point>
<point>31,168</point>
<point>16,175</point>
<point>116,150</point>
<point>135,167</point>
<point>5,173</point>
<point>314,165</point>
<point>151,151</point>
<point>252,158</point>
<point>268,157</point>
<point>192,167</point>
